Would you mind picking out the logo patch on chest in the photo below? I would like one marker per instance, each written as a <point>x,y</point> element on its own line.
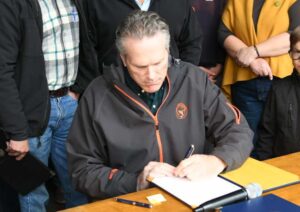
<point>181,110</point>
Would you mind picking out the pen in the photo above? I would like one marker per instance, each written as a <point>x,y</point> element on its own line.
<point>189,152</point>
<point>130,202</point>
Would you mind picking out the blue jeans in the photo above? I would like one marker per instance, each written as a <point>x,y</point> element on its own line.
<point>53,143</point>
<point>250,97</point>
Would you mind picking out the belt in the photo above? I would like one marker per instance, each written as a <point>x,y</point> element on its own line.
<point>59,92</point>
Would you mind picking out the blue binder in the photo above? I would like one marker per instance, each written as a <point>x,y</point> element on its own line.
<point>268,203</point>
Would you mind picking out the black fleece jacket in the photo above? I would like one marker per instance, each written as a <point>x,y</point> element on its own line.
<point>280,134</point>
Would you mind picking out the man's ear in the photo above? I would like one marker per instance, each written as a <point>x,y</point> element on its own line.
<point>123,59</point>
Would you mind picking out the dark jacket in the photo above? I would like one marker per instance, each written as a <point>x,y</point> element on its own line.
<point>280,134</point>
<point>209,14</point>
<point>114,134</point>
<point>104,17</point>
<point>24,100</point>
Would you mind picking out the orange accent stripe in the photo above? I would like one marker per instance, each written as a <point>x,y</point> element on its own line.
<point>136,102</point>
<point>155,118</point>
<point>161,155</point>
<point>112,173</point>
<point>236,111</point>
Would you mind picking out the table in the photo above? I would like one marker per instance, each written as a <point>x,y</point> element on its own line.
<point>291,193</point>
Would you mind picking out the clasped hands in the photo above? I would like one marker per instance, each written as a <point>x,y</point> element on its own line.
<point>247,57</point>
<point>195,167</point>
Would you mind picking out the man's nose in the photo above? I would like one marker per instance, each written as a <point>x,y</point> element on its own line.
<point>151,73</point>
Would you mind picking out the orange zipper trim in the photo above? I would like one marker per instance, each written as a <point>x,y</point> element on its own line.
<point>158,137</point>
<point>236,112</point>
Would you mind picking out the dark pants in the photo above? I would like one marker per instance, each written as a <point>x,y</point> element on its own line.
<point>9,201</point>
<point>250,97</point>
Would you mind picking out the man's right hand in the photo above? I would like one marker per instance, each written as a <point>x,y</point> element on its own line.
<point>17,149</point>
<point>153,169</point>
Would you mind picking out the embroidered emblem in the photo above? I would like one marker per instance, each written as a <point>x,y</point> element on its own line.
<point>277,3</point>
<point>181,110</point>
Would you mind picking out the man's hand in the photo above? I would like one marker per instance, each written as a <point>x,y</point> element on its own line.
<point>261,68</point>
<point>245,56</point>
<point>199,166</point>
<point>212,72</point>
<point>17,149</point>
<point>74,95</point>
<point>153,169</point>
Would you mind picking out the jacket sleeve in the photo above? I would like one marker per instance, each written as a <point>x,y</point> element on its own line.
<point>230,133</point>
<point>190,40</point>
<point>12,118</point>
<point>265,142</point>
<point>88,158</point>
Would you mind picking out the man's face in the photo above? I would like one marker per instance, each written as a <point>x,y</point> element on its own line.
<point>295,54</point>
<point>147,61</point>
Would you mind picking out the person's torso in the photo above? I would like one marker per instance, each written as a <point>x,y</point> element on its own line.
<point>287,139</point>
<point>130,130</point>
<point>107,15</point>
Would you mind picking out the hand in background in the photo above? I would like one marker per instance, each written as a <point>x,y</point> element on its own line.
<point>153,169</point>
<point>74,95</point>
<point>261,68</point>
<point>199,166</point>
<point>245,56</point>
<point>212,72</point>
<point>17,149</point>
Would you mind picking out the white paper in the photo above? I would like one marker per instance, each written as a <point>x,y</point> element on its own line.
<point>195,193</point>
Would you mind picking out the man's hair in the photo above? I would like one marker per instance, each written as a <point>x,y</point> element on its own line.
<point>140,24</point>
<point>295,37</point>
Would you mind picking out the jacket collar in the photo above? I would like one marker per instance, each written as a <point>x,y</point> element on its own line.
<point>296,76</point>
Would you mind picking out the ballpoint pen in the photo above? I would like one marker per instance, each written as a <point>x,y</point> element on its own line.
<point>189,152</point>
<point>130,202</point>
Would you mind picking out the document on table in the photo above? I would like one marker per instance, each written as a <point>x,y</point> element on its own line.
<point>266,175</point>
<point>195,193</point>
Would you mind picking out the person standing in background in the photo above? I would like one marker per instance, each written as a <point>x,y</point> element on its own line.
<point>104,17</point>
<point>279,133</point>
<point>209,15</point>
<point>46,62</point>
<point>255,34</point>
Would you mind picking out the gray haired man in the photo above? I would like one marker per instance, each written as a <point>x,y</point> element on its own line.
<point>139,120</point>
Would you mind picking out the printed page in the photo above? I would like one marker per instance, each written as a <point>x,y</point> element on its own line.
<point>195,193</point>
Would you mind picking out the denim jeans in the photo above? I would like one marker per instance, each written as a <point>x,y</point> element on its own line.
<point>53,143</point>
<point>250,97</point>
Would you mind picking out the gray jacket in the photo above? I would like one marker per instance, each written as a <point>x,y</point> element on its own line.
<point>114,134</point>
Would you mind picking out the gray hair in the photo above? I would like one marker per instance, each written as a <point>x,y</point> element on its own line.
<point>140,24</point>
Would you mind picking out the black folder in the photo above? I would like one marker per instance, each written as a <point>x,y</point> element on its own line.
<point>22,175</point>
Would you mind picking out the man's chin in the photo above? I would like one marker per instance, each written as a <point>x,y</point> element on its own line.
<point>151,89</point>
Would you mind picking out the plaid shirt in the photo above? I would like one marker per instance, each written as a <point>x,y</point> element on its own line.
<point>60,42</point>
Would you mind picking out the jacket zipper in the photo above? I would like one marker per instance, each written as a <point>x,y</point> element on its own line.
<point>290,115</point>
<point>154,117</point>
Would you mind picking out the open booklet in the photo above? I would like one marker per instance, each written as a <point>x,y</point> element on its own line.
<point>195,193</point>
